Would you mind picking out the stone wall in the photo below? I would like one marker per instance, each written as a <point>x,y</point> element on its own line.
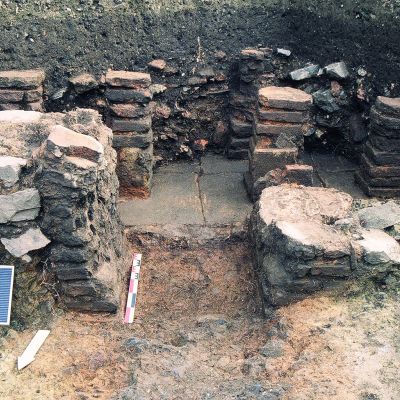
<point>309,239</point>
<point>58,209</point>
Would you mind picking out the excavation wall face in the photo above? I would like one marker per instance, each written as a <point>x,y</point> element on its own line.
<point>58,211</point>
<point>71,36</point>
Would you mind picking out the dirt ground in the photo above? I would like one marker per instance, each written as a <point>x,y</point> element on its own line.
<point>199,334</point>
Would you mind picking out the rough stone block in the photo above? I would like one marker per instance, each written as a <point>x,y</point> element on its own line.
<point>308,72</point>
<point>380,216</point>
<point>132,139</point>
<point>271,114</point>
<point>19,206</point>
<point>129,95</point>
<point>337,70</point>
<point>265,160</point>
<point>139,125</point>
<point>284,97</point>
<point>10,169</point>
<point>128,79</point>
<point>74,144</point>
<point>135,167</point>
<point>32,239</point>
<point>26,79</point>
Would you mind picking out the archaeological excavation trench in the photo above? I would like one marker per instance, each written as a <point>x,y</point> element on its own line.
<point>256,168</point>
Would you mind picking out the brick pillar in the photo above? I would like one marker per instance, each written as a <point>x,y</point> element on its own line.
<point>253,63</point>
<point>21,90</point>
<point>283,115</point>
<point>380,163</point>
<point>130,118</point>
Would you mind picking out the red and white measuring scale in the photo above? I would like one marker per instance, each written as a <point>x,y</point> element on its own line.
<point>133,288</point>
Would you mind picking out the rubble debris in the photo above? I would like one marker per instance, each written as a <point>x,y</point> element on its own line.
<point>310,71</point>
<point>325,101</point>
<point>284,52</point>
<point>158,65</point>
<point>337,70</point>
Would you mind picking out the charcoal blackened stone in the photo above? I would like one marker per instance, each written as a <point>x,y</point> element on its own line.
<point>337,70</point>
<point>358,129</point>
<point>324,100</point>
<point>122,95</point>
<point>32,239</point>
<point>133,139</point>
<point>308,72</point>
<point>384,120</point>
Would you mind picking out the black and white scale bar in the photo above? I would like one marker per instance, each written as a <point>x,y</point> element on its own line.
<point>6,288</point>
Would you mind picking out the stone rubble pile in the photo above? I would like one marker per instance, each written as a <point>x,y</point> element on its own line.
<point>21,90</point>
<point>283,117</point>
<point>380,163</point>
<point>307,239</point>
<point>58,205</point>
<point>130,118</point>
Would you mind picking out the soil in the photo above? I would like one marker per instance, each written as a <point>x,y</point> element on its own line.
<point>199,333</point>
<point>73,36</point>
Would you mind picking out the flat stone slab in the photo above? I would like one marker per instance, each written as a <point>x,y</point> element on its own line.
<point>284,97</point>
<point>174,199</point>
<point>380,216</point>
<point>206,193</point>
<point>293,204</point>
<point>32,239</point>
<point>74,144</point>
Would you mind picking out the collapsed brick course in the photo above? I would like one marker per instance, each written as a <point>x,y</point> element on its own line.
<point>58,210</point>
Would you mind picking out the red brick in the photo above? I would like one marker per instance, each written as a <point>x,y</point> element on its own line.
<point>284,98</point>
<point>128,79</point>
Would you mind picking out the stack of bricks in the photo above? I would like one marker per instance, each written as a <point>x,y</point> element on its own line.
<point>253,63</point>
<point>283,117</point>
<point>21,90</point>
<point>130,118</point>
<point>380,164</point>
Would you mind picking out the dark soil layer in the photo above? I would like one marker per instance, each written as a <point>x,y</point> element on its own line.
<point>66,37</point>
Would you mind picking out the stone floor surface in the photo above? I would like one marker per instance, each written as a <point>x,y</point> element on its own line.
<point>211,192</point>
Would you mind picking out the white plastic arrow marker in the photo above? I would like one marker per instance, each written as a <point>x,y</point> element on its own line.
<point>29,354</point>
